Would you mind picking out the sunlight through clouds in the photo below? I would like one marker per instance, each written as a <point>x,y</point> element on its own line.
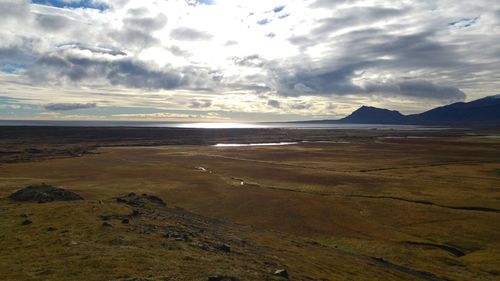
<point>316,58</point>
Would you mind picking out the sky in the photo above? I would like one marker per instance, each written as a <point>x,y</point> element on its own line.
<point>242,60</point>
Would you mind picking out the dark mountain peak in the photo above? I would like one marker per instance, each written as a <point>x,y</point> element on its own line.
<point>370,114</point>
<point>480,112</point>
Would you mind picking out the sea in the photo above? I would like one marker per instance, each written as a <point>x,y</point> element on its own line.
<point>213,125</point>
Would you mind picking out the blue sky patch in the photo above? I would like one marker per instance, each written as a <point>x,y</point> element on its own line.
<point>200,2</point>
<point>89,4</point>
<point>264,21</point>
<point>463,23</point>
<point>278,9</point>
<point>11,67</point>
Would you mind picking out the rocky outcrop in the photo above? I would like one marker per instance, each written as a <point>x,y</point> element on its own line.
<point>43,193</point>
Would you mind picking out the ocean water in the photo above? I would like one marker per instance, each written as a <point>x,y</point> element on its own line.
<point>212,125</point>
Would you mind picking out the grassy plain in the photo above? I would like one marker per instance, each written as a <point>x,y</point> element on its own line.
<point>362,207</point>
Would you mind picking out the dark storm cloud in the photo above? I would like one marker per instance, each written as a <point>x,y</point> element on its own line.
<point>339,81</point>
<point>372,49</point>
<point>69,106</point>
<point>319,82</point>
<point>426,89</point>
<point>189,34</point>
<point>62,68</point>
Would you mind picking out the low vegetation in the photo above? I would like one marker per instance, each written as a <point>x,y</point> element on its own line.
<point>367,208</point>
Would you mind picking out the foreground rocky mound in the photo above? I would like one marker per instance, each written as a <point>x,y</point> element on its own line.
<point>136,200</point>
<point>43,193</point>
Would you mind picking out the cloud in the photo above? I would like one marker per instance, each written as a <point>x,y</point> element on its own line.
<point>140,19</point>
<point>63,68</point>
<point>204,103</point>
<point>189,34</point>
<point>13,10</point>
<point>274,103</point>
<point>200,2</point>
<point>168,115</point>
<point>407,55</point>
<point>178,51</point>
<point>426,89</point>
<point>69,106</point>
<point>301,106</point>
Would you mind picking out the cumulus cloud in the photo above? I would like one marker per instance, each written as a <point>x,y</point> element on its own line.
<point>398,54</point>
<point>69,106</point>
<point>68,67</point>
<point>189,34</point>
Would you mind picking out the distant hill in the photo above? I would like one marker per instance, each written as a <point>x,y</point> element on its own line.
<point>485,111</point>
<point>370,115</point>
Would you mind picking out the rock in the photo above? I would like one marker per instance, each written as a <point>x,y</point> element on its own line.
<point>125,221</point>
<point>282,273</point>
<point>133,199</point>
<point>26,222</point>
<point>224,247</point>
<point>43,193</point>
<point>106,224</point>
<point>50,229</point>
<point>204,246</point>
<point>222,278</point>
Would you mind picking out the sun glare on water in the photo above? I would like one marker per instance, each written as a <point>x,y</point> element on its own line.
<point>220,125</point>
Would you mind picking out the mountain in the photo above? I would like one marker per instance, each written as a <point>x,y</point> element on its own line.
<point>485,111</point>
<point>371,115</point>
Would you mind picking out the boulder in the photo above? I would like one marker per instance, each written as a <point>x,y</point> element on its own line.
<point>43,193</point>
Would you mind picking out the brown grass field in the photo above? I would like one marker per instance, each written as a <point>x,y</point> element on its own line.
<point>365,208</point>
